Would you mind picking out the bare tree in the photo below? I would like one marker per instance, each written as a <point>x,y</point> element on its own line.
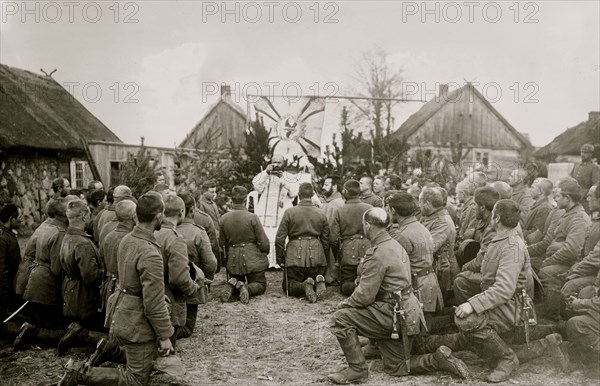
<point>377,80</point>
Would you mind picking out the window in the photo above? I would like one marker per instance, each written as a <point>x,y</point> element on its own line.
<point>78,180</point>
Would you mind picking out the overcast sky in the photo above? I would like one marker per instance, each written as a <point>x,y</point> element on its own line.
<point>158,64</point>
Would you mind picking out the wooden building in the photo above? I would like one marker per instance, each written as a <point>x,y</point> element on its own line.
<point>43,134</point>
<point>109,156</point>
<point>486,135</point>
<point>225,119</point>
<point>565,147</point>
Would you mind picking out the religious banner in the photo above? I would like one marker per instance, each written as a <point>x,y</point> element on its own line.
<point>294,124</point>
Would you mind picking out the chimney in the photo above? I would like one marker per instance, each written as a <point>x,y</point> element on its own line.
<point>594,116</point>
<point>443,90</point>
<point>226,92</point>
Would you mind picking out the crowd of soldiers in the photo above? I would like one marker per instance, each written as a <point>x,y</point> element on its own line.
<point>511,272</point>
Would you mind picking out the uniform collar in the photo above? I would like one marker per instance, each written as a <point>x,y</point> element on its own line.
<point>167,224</point>
<point>367,195</point>
<point>77,232</point>
<point>187,220</point>
<point>306,202</point>
<point>143,234</point>
<point>505,234</point>
<point>353,201</point>
<point>407,220</point>
<point>575,209</point>
<point>56,223</point>
<point>380,238</point>
<point>7,230</point>
<point>437,213</point>
<point>238,207</point>
<point>123,228</point>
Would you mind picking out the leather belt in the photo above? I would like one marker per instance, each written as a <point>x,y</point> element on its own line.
<point>130,292</point>
<point>424,272</point>
<point>389,296</point>
<point>304,237</point>
<point>240,245</point>
<point>353,237</point>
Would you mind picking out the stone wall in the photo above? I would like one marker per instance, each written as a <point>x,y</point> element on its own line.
<point>27,182</point>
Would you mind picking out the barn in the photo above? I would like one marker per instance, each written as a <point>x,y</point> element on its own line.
<point>223,124</point>
<point>465,114</point>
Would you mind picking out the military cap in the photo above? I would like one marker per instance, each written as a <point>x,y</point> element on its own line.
<point>587,148</point>
<point>150,204</point>
<point>467,251</point>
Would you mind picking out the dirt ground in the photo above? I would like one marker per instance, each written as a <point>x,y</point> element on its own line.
<point>272,341</point>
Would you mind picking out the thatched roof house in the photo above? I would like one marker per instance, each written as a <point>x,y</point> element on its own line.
<point>43,135</point>
<point>38,114</point>
<point>565,147</point>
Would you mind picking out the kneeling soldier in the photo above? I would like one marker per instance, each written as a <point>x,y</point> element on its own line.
<point>305,263</point>
<point>246,247</point>
<point>384,308</point>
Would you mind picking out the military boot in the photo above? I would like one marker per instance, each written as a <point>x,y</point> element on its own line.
<point>92,376</point>
<point>549,346</point>
<point>508,362</point>
<point>320,287</point>
<point>26,333</point>
<point>444,360</point>
<point>309,290</point>
<point>107,350</point>
<point>441,359</point>
<point>10,329</point>
<point>228,293</point>
<point>243,290</point>
<point>357,370</point>
<point>69,339</point>
<point>455,342</point>
<point>371,351</point>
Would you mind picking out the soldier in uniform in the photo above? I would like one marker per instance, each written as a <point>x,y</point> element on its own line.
<point>207,204</point>
<point>112,224</point>
<point>83,274</point>
<point>10,256</point>
<point>468,282</point>
<point>464,193</point>
<point>418,244</point>
<point>347,240</point>
<point>119,193</point>
<point>137,312</point>
<point>43,286</point>
<point>125,211</point>
<point>520,193</point>
<point>583,273</point>
<point>498,309</point>
<point>438,222</point>
<point>203,220</point>
<point>110,203</point>
<point>108,349</point>
<point>586,172</point>
<point>382,308</point>
<point>246,247</point>
<point>179,285</point>
<point>96,201</point>
<point>567,247</point>
<point>199,254</point>
<point>304,256</point>
<point>332,192</point>
<point>541,190</point>
<point>366,192</point>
